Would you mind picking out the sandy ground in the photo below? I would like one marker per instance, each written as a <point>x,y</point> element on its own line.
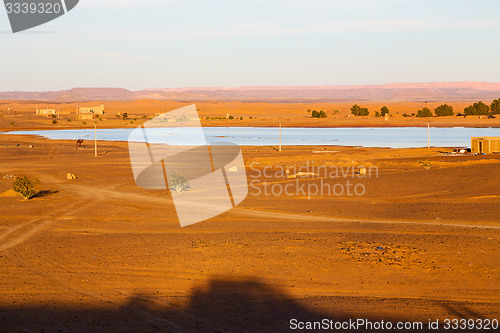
<point>18,115</point>
<point>100,254</point>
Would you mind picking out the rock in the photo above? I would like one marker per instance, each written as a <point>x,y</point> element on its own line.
<point>70,176</point>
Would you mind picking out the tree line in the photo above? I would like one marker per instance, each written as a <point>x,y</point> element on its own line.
<point>443,110</point>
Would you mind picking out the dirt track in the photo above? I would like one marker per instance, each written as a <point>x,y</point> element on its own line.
<point>98,253</point>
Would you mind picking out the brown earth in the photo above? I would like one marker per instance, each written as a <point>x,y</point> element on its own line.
<point>100,254</point>
<point>19,115</point>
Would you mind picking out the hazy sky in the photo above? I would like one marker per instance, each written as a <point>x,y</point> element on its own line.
<point>138,44</point>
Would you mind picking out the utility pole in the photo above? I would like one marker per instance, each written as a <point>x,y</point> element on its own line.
<point>279,149</point>
<point>95,133</point>
<point>428,135</point>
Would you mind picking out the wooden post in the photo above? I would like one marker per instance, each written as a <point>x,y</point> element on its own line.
<point>95,137</point>
<point>279,149</point>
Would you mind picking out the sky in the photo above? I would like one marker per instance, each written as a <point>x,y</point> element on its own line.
<point>142,44</point>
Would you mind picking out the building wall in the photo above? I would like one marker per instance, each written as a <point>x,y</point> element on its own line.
<point>92,109</point>
<point>85,116</point>
<point>486,145</point>
<point>45,112</point>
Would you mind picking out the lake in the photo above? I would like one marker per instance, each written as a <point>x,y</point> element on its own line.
<point>391,137</point>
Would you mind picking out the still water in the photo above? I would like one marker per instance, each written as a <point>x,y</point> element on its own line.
<point>391,137</point>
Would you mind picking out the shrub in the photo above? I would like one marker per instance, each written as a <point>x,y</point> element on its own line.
<point>241,118</point>
<point>495,106</point>
<point>425,163</point>
<point>25,186</point>
<point>384,110</point>
<point>178,182</point>
<point>478,108</point>
<point>54,121</point>
<point>377,114</point>
<point>320,114</point>
<point>231,117</point>
<point>443,110</point>
<point>424,112</point>
<point>359,111</point>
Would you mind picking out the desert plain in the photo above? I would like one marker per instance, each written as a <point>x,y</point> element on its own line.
<point>100,254</point>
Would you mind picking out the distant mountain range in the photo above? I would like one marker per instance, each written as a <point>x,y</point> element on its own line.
<point>432,91</point>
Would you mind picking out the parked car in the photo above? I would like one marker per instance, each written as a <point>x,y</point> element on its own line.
<point>491,117</point>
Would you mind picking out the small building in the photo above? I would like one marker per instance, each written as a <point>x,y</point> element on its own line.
<point>45,112</point>
<point>92,109</point>
<point>485,145</point>
<point>85,116</point>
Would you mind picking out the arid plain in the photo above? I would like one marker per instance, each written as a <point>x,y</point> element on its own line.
<point>100,254</point>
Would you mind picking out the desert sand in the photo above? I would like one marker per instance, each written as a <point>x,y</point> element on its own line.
<point>19,115</point>
<point>100,254</point>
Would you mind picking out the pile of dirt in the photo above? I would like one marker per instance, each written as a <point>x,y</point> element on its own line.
<point>10,194</point>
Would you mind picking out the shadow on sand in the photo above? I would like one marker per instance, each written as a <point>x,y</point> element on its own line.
<point>224,305</point>
<point>45,193</point>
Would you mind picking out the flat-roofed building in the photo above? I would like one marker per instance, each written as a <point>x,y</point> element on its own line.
<point>85,116</point>
<point>485,145</point>
<point>91,109</point>
<point>45,112</point>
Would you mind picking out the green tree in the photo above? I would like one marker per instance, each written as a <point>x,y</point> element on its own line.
<point>26,187</point>
<point>495,106</point>
<point>384,110</point>
<point>478,108</point>
<point>320,114</point>
<point>359,111</point>
<point>125,115</point>
<point>444,110</point>
<point>424,113</point>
